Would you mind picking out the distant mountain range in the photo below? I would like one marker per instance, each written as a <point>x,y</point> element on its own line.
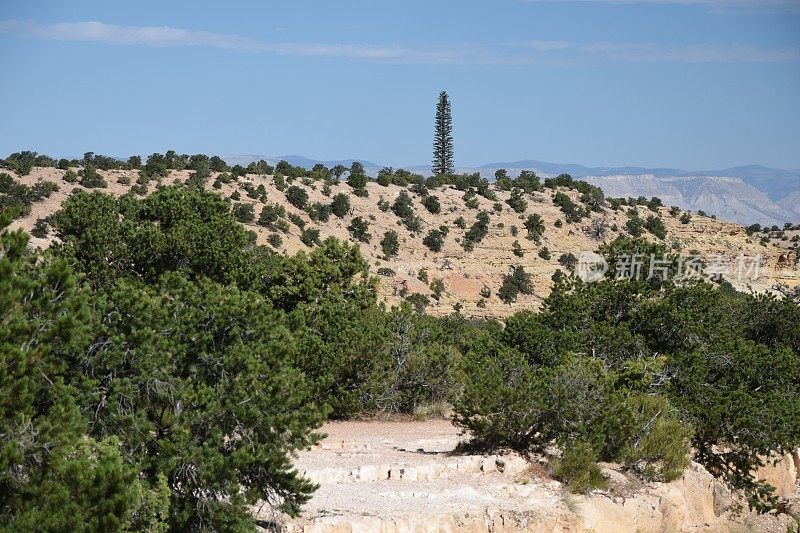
<point>744,194</point>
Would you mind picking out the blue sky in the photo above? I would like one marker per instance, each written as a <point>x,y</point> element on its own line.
<point>696,84</point>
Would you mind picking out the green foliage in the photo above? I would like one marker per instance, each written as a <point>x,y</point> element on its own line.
<point>477,231</point>
<point>310,237</point>
<point>271,214</point>
<point>432,204</point>
<point>572,212</point>
<point>91,179</point>
<point>437,289</point>
<point>172,229</point>
<point>340,204</point>
<point>579,470</point>
<point>359,229</point>
<point>244,213</point>
<point>40,229</point>
<point>358,179</point>
<point>634,226</point>
<point>297,196</point>
<point>568,261</point>
<point>390,244</point>
<point>518,281</point>
<point>528,181</point>
<point>517,201</point>
<point>319,212</point>
<point>403,206</point>
<point>434,240</point>
<point>21,162</point>
<point>655,225</point>
<point>544,253</point>
<point>17,198</point>
<point>275,240</point>
<point>517,249</point>
<point>443,138</point>
<point>534,224</point>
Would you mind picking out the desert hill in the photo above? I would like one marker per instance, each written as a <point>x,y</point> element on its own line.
<point>470,279</point>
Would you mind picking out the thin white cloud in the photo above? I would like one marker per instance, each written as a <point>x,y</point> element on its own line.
<point>714,6</point>
<point>505,53</point>
<point>644,52</point>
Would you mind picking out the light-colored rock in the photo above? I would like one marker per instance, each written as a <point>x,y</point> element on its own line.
<point>781,475</point>
<point>389,484</point>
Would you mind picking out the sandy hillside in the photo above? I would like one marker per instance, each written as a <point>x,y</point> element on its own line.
<point>465,274</point>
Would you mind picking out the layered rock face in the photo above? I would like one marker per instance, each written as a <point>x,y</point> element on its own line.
<point>404,477</point>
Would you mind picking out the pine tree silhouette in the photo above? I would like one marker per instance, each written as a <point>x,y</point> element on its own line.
<point>443,138</point>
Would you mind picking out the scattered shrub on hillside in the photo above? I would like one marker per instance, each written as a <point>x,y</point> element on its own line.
<point>534,224</point>
<point>359,229</point>
<point>515,283</point>
<point>297,220</point>
<point>517,201</point>
<point>517,249</point>
<point>390,244</point>
<point>310,237</point>
<point>89,178</point>
<point>432,204</point>
<point>340,204</point>
<point>568,261</point>
<point>656,226</point>
<point>297,196</point>
<point>244,213</point>
<point>434,240</point>
<point>471,199</point>
<point>477,231</point>
<point>275,240</point>
<point>572,212</point>
<point>40,229</point>
<point>270,214</point>
<point>319,212</point>
<point>437,288</point>
<point>544,253</point>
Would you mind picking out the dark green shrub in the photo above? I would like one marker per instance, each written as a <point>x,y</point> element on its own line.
<point>578,468</point>
<point>359,229</point>
<point>655,225</point>
<point>390,244</point>
<point>515,283</point>
<point>310,237</point>
<point>297,196</point>
<point>275,240</point>
<point>432,204</point>
<point>517,201</point>
<point>434,240</point>
<point>244,213</point>
<point>40,229</point>
<point>340,204</point>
